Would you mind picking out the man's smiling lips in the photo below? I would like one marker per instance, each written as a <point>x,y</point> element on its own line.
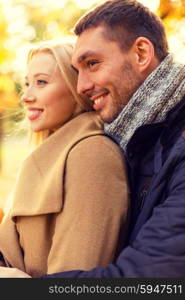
<point>99,101</point>
<point>34,113</point>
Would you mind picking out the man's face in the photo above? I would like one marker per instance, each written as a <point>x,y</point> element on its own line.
<point>106,74</point>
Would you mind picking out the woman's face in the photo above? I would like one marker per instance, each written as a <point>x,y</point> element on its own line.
<point>47,99</point>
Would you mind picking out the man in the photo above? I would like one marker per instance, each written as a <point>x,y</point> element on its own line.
<point>123,66</point>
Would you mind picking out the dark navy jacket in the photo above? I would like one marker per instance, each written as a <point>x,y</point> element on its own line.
<point>156,164</point>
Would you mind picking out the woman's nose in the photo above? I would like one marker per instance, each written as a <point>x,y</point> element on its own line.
<point>27,98</point>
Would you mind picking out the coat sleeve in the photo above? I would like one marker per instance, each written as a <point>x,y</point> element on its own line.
<point>158,250</point>
<point>95,207</point>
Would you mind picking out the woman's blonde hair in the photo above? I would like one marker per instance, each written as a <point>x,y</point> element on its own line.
<point>62,54</point>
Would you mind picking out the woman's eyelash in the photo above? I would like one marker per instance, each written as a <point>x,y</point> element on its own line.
<point>41,81</point>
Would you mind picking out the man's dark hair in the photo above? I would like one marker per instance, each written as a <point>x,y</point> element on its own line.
<point>125,21</point>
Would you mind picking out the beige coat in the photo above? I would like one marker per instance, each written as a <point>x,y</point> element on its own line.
<point>70,201</point>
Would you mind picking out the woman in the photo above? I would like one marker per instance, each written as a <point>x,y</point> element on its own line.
<point>71,198</point>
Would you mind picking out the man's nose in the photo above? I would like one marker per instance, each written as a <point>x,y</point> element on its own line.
<point>84,84</point>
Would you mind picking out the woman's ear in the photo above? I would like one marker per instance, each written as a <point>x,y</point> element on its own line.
<point>144,54</point>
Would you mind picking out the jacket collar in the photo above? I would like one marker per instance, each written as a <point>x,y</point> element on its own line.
<point>140,140</point>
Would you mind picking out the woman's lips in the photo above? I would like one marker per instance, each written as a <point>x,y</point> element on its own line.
<point>34,114</point>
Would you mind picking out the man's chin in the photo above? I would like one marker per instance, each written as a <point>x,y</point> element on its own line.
<point>107,117</point>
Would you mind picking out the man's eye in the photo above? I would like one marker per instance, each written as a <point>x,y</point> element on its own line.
<point>41,82</point>
<point>92,63</point>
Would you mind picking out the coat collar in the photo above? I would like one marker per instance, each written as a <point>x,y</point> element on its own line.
<point>39,189</point>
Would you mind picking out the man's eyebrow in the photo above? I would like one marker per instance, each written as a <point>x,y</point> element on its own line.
<point>82,57</point>
<point>85,55</point>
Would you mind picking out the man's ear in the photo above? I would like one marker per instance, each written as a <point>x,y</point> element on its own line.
<point>144,54</point>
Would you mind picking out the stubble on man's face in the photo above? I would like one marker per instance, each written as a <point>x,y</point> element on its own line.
<point>125,85</point>
<point>108,75</point>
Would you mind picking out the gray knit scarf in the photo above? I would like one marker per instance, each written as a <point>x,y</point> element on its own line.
<point>160,92</point>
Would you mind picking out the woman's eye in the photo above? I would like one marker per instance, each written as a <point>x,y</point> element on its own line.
<point>41,82</point>
<point>26,84</point>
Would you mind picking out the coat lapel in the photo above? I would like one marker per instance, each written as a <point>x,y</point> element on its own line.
<point>9,245</point>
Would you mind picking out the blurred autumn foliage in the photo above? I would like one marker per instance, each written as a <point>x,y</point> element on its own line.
<point>24,22</point>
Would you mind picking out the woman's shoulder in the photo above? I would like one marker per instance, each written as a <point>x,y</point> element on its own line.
<point>95,136</point>
<point>87,121</point>
<point>94,156</point>
<point>96,147</point>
